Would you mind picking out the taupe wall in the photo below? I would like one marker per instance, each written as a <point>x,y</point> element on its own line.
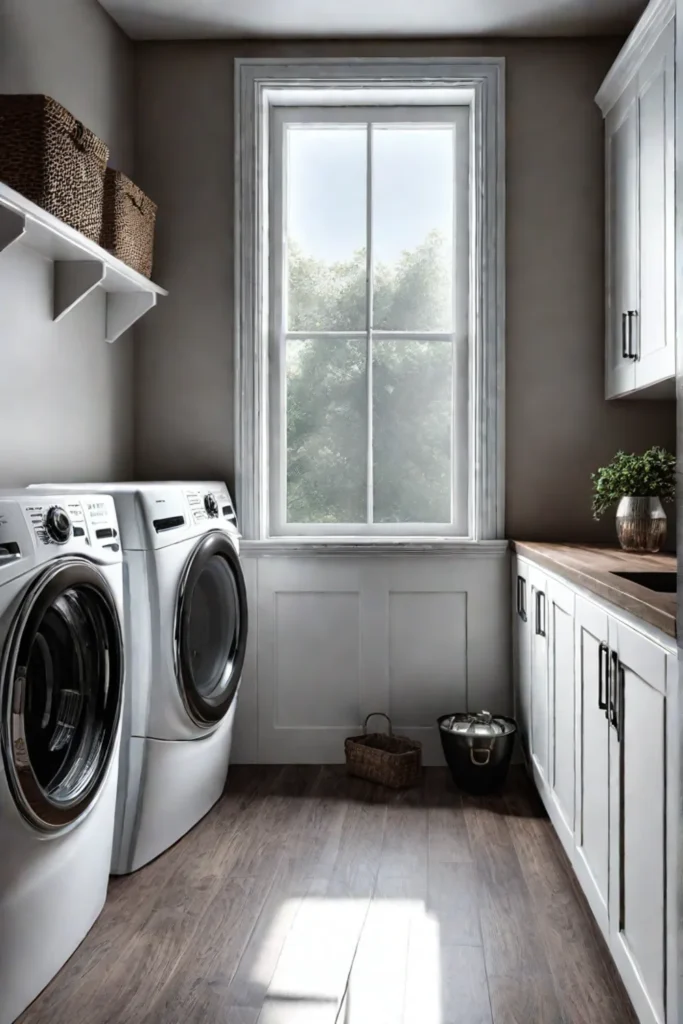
<point>559,428</point>
<point>65,394</point>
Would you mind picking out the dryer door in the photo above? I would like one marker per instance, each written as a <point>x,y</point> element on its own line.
<point>211,629</point>
<point>62,687</point>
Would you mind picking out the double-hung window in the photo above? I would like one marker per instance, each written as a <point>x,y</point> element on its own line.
<point>369,320</point>
<point>366,245</point>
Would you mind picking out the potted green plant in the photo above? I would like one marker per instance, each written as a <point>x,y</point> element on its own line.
<point>637,484</point>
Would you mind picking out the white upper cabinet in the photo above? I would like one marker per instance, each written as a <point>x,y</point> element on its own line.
<point>621,161</point>
<point>637,101</point>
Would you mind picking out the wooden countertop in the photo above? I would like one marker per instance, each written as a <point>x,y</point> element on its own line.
<point>592,568</point>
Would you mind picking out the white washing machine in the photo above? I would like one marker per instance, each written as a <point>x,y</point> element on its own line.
<point>186,634</point>
<point>61,693</point>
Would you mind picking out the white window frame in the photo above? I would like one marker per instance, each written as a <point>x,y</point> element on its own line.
<point>261,86</point>
<point>457,117</point>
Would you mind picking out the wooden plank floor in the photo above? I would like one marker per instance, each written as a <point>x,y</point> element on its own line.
<point>306,897</point>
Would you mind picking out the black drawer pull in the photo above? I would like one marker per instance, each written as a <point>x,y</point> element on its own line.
<point>603,677</point>
<point>540,619</point>
<point>521,598</point>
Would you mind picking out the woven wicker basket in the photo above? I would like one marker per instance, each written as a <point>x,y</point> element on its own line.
<point>53,160</point>
<point>128,222</point>
<point>394,761</point>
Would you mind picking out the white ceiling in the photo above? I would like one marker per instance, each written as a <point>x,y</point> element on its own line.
<point>210,19</point>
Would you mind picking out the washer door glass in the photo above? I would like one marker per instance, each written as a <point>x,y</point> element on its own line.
<point>63,685</point>
<point>212,629</point>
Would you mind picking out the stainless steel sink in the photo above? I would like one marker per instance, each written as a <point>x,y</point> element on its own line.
<point>662,582</point>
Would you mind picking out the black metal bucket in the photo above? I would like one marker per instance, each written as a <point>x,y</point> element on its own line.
<point>478,763</point>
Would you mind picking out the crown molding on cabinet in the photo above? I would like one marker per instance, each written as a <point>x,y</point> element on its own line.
<point>656,17</point>
<point>80,266</point>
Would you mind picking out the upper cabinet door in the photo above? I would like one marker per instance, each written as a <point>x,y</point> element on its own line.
<point>654,330</point>
<point>622,232</point>
<point>637,101</point>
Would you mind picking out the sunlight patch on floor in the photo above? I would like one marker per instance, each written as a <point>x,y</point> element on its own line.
<point>380,960</point>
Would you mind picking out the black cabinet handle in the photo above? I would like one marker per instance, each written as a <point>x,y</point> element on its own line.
<point>614,679</point>
<point>603,677</point>
<point>624,339</point>
<point>631,316</point>
<point>521,598</point>
<point>540,629</point>
<point>621,686</point>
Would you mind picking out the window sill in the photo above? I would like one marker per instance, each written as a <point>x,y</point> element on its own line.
<point>374,547</point>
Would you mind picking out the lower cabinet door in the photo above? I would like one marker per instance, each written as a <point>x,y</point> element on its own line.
<point>638,818</point>
<point>592,828</point>
<point>562,717</point>
<point>539,675</point>
<point>521,632</point>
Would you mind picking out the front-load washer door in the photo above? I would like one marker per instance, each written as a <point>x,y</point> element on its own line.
<point>211,629</point>
<point>62,686</point>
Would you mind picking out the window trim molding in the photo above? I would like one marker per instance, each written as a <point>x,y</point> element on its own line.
<point>373,547</point>
<point>256,80</point>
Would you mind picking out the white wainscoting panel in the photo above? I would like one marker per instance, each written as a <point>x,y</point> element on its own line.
<point>333,638</point>
<point>427,656</point>
<point>317,645</point>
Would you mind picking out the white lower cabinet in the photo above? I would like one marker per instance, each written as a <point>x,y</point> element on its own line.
<point>521,648</point>
<point>591,838</point>
<point>591,704</point>
<point>538,742</point>
<point>638,818</point>
<point>561,718</point>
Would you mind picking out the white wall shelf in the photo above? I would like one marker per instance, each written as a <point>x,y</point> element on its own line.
<point>80,266</point>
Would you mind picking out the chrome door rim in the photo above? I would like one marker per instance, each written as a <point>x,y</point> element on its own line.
<point>201,712</point>
<point>39,810</point>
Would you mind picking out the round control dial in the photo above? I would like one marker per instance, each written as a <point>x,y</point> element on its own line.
<point>211,505</point>
<point>58,525</point>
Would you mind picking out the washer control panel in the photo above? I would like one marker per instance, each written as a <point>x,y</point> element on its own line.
<point>208,505</point>
<point>100,515</point>
<point>60,520</point>
<point>56,522</point>
<point>198,512</point>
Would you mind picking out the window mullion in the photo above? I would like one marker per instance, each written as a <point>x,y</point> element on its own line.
<point>368,324</point>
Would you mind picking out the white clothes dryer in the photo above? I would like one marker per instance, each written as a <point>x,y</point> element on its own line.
<point>186,632</point>
<point>61,693</point>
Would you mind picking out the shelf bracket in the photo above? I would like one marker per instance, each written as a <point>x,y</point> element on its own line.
<point>124,308</point>
<point>72,282</point>
<point>12,226</point>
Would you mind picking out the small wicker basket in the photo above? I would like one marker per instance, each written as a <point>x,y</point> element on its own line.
<point>128,222</point>
<point>391,760</point>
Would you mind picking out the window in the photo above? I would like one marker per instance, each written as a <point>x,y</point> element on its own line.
<point>363,311</point>
<point>369,320</point>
